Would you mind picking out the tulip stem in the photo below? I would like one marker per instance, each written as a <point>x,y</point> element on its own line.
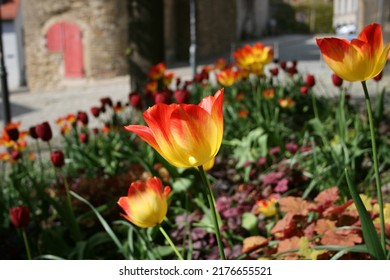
<point>376,169</point>
<point>314,102</point>
<point>74,225</point>
<point>170,242</point>
<point>26,244</point>
<point>210,198</point>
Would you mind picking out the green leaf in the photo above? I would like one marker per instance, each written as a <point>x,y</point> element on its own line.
<point>370,235</point>
<point>250,223</point>
<point>105,225</point>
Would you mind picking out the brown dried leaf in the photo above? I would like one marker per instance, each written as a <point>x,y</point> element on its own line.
<point>338,209</point>
<point>253,242</point>
<point>294,205</point>
<point>323,225</point>
<point>309,231</point>
<point>286,223</point>
<point>330,195</point>
<point>340,238</point>
<point>289,244</point>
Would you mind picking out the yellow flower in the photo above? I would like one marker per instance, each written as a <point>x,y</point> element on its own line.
<point>361,59</point>
<point>267,207</point>
<point>146,203</point>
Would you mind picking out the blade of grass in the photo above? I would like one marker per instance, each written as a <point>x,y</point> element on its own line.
<point>370,235</point>
<point>105,225</point>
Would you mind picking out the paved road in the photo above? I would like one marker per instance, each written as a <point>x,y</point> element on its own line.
<point>31,108</point>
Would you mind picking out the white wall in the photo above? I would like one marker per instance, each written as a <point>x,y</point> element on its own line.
<point>11,57</point>
<point>14,51</point>
<point>345,12</point>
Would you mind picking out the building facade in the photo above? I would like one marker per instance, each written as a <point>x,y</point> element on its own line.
<point>12,37</point>
<point>80,40</point>
<point>74,40</point>
<point>362,13</point>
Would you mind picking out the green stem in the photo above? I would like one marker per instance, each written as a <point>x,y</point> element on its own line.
<point>26,244</point>
<point>39,157</point>
<point>74,225</point>
<point>376,168</point>
<point>170,242</point>
<point>210,198</point>
<point>314,102</point>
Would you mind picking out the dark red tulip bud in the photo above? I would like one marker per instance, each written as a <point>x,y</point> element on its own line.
<point>292,70</point>
<point>106,101</point>
<point>95,130</point>
<point>43,131</point>
<point>135,100</point>
<point>274,71</point>
<point>83,137</point>
<point>283,65</point>
<point>291,147</point>
<point>310,80</point>
<point>57,158</point>
<point>95,111</point>
<point>82,117</point>
<point>378,77</point>
<point>16,155</point>
<point>12,132</point>
<point>294,63</point>
<point>20,216</point>
<point>161,97</point>
<point>32,132</point>
<point>337,81</point>
<point>178,82</point>
<point>304,90</point>
<point>182,96</point>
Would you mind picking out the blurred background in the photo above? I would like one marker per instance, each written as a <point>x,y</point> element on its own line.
<point>49,44</point>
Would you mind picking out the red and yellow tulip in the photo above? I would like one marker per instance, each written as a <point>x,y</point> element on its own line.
<point>157,71</point>
<point>286,102</point>
<point>268,94</point>
<point>358,60</point>
<point>253,58</point>
<point>227,77</point>
<point>267,207</point>
<point>146,203</point>
<point>186,135</point>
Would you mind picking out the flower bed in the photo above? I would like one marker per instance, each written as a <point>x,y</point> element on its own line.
<point>238,163</point>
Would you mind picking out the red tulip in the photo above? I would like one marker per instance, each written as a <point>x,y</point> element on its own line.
<point>16,155</point>
<point>135,100</point>
<point>83,137</point>
<point>304,90</point>
<point>43,131</point>
<point>337,81</point>
<point>378,77</point>
<point>57,158</point>
<point>182,95</point>
<point>12,131</point>
<point>310,80</point>
<point>20,216</point>
<point>82,117</point>
<point>32,132</point>
<point>95,111</point>
<point>274,71</point>
<point>106,101</point>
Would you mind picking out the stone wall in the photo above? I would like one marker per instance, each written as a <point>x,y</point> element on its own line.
<point>104,27</point>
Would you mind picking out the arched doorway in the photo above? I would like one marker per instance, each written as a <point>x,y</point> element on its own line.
<point>66,37</point>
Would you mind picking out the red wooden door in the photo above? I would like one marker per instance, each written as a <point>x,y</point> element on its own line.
<point>67,38</point>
